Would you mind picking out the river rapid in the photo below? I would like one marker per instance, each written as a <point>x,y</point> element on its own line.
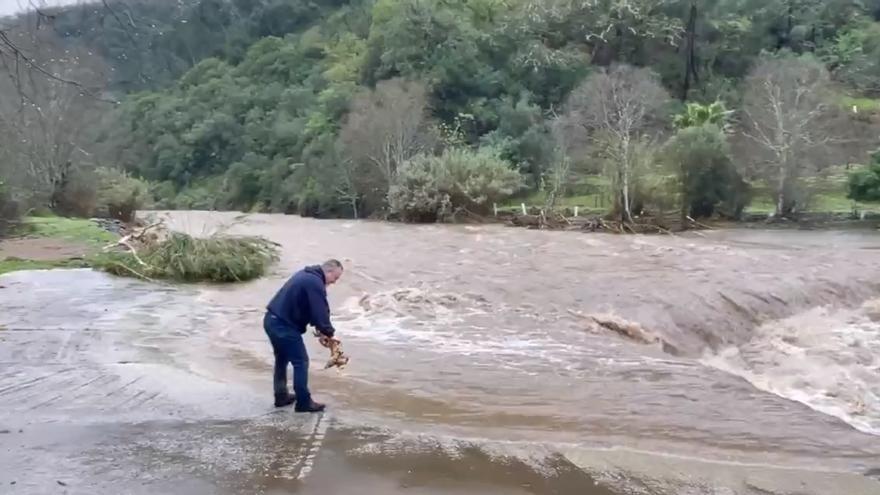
<point>738,360</point>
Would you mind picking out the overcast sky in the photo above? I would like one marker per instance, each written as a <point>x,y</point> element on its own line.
<point>12,6</point>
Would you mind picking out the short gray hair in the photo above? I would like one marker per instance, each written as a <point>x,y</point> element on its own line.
<point>332,264</point>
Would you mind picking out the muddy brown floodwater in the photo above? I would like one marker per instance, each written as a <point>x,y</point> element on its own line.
<point>477,367</point>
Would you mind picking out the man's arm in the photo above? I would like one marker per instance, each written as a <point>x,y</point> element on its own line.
<point>319,309</point>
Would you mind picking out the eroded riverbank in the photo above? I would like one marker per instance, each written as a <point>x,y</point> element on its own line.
<point>467,333</point>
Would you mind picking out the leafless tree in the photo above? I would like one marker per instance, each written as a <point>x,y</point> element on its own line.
<point>47,103</point>
<point>615,111</point>
<point>386,127</point>
<point>789,123</point>
<point>557,177</point>
<point>560,169</point>
<point>347,184</point>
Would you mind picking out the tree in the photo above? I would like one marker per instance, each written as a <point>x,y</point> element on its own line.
<point>787,120</point>
<point>615,29</point>
<point>557,179</point>
<point>47,104</point>
<point>386,127</point>
<point>614,110</point>
<point>854,57</point>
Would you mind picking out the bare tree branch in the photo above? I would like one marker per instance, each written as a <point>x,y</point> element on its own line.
<point>43,131</point>
<point>613,111</point>
<point>113,13</point>
<point>385,128</point>
<point>27,62</point>
<point>789,121</point>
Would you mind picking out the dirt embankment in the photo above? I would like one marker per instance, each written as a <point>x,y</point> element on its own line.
<point>42,249</point>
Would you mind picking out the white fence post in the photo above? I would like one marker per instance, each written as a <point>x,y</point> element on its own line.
<point>525,212</point>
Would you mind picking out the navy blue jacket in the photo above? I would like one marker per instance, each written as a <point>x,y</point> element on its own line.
<point>302,301</point>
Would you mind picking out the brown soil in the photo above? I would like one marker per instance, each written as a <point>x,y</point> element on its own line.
<point>41,249</point>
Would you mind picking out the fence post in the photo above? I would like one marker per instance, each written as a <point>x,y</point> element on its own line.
<point>575,211</point>
<point>525,212</point>
<point>495,208</point>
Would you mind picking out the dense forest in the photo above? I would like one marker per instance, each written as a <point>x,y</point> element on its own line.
<point>423,109</point>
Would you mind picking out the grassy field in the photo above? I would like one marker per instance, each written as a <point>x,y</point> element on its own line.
<point>68,229</point>
<point>828,196</point>
<point>861,105</point>
<point>65,234</point>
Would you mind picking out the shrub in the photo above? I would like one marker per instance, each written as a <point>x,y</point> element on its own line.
<point>183,258</point>
<point>119,195</point>
<point>707,178</point>
<point>435,188</point>
<point>864,184</point>
<point>77,196</point>
<point>9,210</point>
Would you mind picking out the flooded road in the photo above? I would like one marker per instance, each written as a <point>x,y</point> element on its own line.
<point>485,359</point>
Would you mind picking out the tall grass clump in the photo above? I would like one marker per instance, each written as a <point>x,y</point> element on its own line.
<point>183,258</point>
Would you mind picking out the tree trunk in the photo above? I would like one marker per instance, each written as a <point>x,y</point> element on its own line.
<point>780,193</point>
<point>685,201</point>
<point>690,66</point>
<point>626,202</point>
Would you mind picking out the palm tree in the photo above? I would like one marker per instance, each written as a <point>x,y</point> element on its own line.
<point>697,114</point>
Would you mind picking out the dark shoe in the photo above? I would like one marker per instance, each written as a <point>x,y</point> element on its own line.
<point>284,400</point>
<point>310,408</point>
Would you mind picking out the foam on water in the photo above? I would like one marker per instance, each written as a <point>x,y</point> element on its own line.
<point>445,323</point>
<point>826,359</point>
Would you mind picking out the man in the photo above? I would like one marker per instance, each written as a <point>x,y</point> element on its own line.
<point>300,302</point>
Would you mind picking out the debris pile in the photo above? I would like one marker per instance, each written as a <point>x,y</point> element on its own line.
<point>153,252</point>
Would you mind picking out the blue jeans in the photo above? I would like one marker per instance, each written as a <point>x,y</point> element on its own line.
<point>289,347</point>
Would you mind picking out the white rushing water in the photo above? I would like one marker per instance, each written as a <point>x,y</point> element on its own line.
<point>824,358</point>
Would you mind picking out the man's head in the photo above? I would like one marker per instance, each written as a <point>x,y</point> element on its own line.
<point>332,271</point>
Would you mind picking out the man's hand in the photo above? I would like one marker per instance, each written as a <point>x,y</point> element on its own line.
<point>328,342</point>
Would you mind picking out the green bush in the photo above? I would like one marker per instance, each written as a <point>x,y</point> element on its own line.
<point>864,184</point>
<point>435,188</point>
<point>708,181</point>
<point>164,195</point>
<point>119,195</point>
<point>183,258</point>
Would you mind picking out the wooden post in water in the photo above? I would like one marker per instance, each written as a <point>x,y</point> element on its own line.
<point>525,211</point>
<point>575,211</point>
<point>495,208</point>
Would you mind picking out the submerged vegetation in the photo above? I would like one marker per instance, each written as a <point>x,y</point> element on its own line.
<point>183,258</point>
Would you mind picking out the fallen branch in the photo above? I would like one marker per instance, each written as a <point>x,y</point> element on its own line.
<point>698,224</point>
<point>663,231</point>
<point>131,249</point>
